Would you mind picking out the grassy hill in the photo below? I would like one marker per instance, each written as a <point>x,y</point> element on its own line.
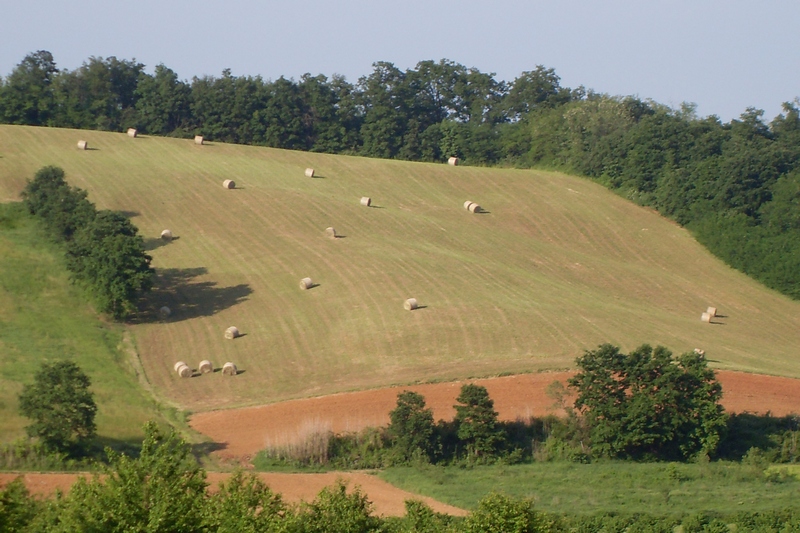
<point>556,265</point>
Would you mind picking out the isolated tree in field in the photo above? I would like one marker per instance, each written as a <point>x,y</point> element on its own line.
<point>648,404</point>
<point>63,209</point>
<point>477,422</point>
<point>411,425</point>
<point>60,405</point>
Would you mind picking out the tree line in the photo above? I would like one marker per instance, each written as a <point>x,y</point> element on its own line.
<point>736,185</point>
<point>104,252</point>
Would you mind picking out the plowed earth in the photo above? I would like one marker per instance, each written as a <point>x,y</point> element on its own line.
<point>241,433</point>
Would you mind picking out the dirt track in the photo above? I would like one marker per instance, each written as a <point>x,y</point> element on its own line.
<point>386,499</point>
<point>241,433</point>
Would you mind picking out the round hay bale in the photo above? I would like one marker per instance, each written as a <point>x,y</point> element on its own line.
<point>229,369</point>
<point>700,352</point>
<point>83,145</point>
<point>205,366</point>
<point>309,172</point>
<point>165,312</point>
<point>410,304</point>
<point>306,283</point>
<point>453,161</point>
<point>467,204</point>
<point>366,201</point>
<point>178,365</point>
<point>474,208</point>
<point>330,232</point>
<point>132,132</point>
<point>232,332</point>
<point>229,184</point>
<point>705,317</point>
<point>166,235</point>
<point>198,139</point>
<point>712,311</point>
<point>185,371</point>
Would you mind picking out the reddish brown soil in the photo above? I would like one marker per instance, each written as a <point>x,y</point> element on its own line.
<point>241,433</point>
<point>386,499</point>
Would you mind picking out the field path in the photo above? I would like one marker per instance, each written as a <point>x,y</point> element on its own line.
<point>386,499</point>
<point>241,433</point>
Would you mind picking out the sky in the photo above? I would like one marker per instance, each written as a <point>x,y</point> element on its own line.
<point>722,55</point>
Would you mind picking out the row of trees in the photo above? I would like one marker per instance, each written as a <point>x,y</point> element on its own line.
<point>104,252</point>
<point>736,184</point>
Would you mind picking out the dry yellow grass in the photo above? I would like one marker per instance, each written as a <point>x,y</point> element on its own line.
<point>556,266</point>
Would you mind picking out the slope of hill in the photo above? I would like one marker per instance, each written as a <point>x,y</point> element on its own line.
<point>555,266</point>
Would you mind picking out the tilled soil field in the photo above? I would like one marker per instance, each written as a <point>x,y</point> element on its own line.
<point>241,433</point>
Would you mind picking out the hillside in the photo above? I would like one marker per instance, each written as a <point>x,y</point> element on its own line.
<point>556,265</point>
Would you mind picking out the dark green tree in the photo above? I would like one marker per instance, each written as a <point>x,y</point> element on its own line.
<point>497,513</point>
<point>108,256</point>
<point>60,406</point>
<point>244,504</point>
<point>162,103</point>
<point>27,95</point>
<point>63,209</point>
<point>411,426</point>
<point>647,404</point>
<point>477,422</point>
<point>335,510</point>
<point>17,507</point>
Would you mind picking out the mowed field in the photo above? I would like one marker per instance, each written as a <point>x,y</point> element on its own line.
<point>557,265</point>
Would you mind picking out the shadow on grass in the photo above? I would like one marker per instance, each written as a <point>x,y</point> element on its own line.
<point>178,289</point>
<point>204,449</point>
<point>154,243</point>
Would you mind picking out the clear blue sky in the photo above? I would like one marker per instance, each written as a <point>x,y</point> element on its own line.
<point>723,55</point>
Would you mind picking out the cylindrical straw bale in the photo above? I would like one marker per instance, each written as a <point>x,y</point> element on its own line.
<point>229,184</point>
<point>166,235</point>
<point>698,351</point>
<point>306,283</point>
<point>165,312</point>
<point>178,365</point>
<point>330,232</point>
<point>83,145</point>
<point>309,172</point>
<point>410,304</point>
<point>185,371</point>
<point>705,317</point>
<point>712,311</point>
<point>205,366</point>
<point>467,204</point>
<point>453,161</point>
<point>232,332</point>
<point>474,208</point>
<point>229,369</point>
<point>132,132</point>
<point>366,201</point>
<point>198,139</point>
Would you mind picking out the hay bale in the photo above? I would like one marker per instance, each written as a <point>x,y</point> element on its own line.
<point>229,184</point>
<point>467,204</point>
<point>309,172</point>
<point>330,232</point>
<point>166,235</point>
<point>366,201</point>
<point>229,369</point>
<point>453,161</point>
<point>165,312</point>
<point>712,311</point>
<point>700,352</point>
<point>705,317</point>
<point>198,139</point>
<point>83,145</point>
<point>185,371</point>
<point>306,283</point>
<point>232,332</point>
<point>410,304</point>
<point>132,132</point>
<point>205,366</point>
<point>474,208</point>
<point>179,364</point>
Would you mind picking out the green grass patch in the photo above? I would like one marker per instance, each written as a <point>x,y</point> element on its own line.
<point>659,489</point>
<point>43,317</point>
